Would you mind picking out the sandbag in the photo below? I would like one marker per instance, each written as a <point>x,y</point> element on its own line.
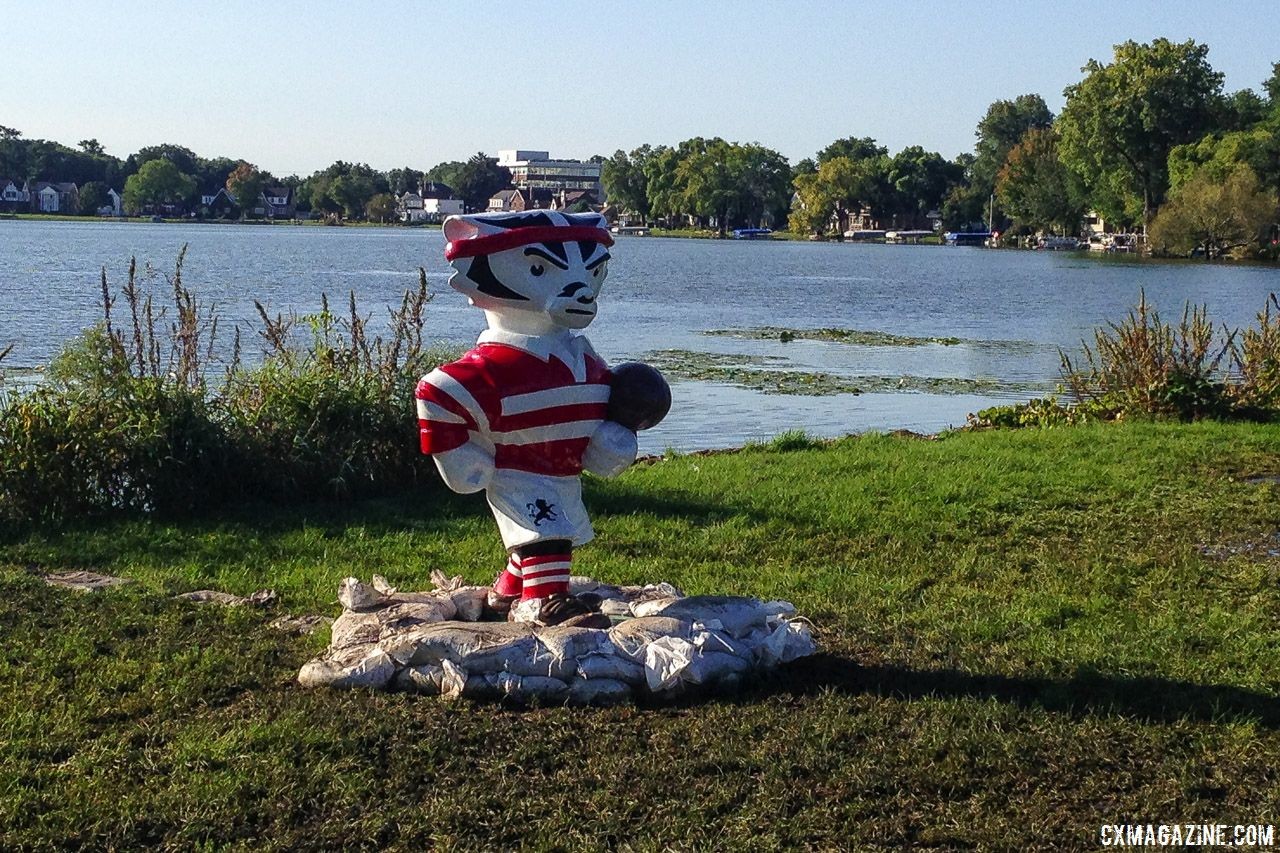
<point>560,648</point>
<point>457,642</point>
<point>520,688</point>
<point>737,614</point>
<point>428,679</point>
<point>613,667</point>
<point>631,637</point>
<point>597,691</point>
<point>354,628</point>
<point>785,643</point>
<point>374,671</point>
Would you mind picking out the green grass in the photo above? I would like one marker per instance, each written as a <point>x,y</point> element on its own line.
<point>1023,639</point>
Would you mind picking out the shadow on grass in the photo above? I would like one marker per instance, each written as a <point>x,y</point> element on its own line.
<point>1089,692</point>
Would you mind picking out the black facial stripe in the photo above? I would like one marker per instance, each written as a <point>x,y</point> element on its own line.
<point>487,283</point>
<point>557,249</point>
<point>598,261</point>
<point>536,252</point>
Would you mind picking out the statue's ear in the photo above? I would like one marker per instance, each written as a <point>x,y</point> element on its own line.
<point>460,228</point>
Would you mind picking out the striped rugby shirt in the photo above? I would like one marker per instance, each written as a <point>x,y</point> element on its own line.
<point>535,401</point>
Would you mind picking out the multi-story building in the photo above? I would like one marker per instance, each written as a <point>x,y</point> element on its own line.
<point>536,170</point>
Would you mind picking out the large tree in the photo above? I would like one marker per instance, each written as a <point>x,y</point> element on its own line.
<point>1214,215</point>
<point>246,183</point>
<point>1036,189</point>
<point>158,182</point>
<point>1121,121</point>
<point>478,179</point>
<point>827,196</point>
<point>917,182</point>
<point>93,196</point>
<point>624,180</point>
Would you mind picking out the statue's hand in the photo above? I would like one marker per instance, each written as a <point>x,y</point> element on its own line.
<point>612,449</point>
<point>466,469</point>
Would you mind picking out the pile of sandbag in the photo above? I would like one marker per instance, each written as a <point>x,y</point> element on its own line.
<point>661,642</point>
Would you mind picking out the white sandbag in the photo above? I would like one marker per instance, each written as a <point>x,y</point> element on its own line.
<point>611,667</point>
<point>631,638</point>
<point>598,691</point>
<point>354,594</point>
<point>665,661</point>
<point>403,616</point>
<point>437,642</point>
<point>651,606</point>
<point>353,628</point>
<point>615,607</point>
<point>426,679</point>
<point>737,614</point>
<point>560,648</point>
<point>710,637</point>
<point>711,667</point>
<point>787,642</point>
<point>374,671</point>
<point>651,591</point>
<point>468,602</point>
<point>527,688</point>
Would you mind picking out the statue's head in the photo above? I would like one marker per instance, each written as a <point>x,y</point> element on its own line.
<point>542,261</point>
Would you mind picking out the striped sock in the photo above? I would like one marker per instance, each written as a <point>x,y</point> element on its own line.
<point>511,581</point>
<point>546,574</point>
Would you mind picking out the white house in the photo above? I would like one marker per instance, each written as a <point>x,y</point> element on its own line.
<point>14,194</point>
<point>46,198</point>
<point>113,207</point>
<point>432,204</point>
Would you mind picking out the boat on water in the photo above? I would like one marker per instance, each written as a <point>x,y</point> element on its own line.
<point>865,234</point>
<point>634,230</point>
<point>1058,244</point>
<point>901,237</point>
<point>752,233</point>
<point>1113,243</point>
<point>966,238</point>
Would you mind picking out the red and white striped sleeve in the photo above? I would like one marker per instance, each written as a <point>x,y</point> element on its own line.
<point>449,407</point>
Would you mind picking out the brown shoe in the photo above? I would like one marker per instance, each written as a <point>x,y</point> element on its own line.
<point>497,606</point>
<point>559,609</point>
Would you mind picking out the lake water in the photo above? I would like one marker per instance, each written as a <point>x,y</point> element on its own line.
<point>1018,307</point>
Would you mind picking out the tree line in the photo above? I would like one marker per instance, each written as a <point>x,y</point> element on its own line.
<point>1151,132</point>
<point>1149,141</point>
<point>175,175</point>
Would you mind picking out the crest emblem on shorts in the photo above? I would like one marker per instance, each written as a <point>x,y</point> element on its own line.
<point>540,511</point>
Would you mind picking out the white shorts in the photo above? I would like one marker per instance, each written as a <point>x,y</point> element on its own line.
<point>535,507</point>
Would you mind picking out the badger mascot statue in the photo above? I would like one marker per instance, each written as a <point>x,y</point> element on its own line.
<point>522,414</point>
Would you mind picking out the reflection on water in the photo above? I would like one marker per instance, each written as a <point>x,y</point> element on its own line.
<point>661,294</point>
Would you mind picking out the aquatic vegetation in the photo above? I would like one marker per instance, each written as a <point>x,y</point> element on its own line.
<point>854,337</point>
<point>766,375</point>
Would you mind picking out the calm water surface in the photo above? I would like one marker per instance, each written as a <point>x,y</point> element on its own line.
<point>663,294</point>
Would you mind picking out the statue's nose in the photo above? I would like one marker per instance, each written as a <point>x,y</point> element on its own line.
<point>573,287</point>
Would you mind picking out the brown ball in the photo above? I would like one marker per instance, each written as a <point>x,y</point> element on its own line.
<point>639,398</point>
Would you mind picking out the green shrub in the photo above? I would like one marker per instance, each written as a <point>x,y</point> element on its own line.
<point>145,417</point>
<point>1144,367</point>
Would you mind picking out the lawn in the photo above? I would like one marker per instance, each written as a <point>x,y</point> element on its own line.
<point>1025,635</point>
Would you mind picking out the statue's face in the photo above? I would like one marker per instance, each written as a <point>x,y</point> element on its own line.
<point>559,279</point>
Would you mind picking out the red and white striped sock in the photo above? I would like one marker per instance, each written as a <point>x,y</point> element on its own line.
<point>546,574</point>
<point>511,581</point>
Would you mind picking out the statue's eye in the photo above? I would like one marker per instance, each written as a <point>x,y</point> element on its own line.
<point>536,269</point>
<point>596,272</point>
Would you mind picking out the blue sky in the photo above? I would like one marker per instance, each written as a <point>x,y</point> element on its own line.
<point>294,86</point>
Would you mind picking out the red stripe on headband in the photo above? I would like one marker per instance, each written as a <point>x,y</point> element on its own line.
<point>514,237</point>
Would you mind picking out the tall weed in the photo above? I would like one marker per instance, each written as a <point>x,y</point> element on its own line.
<point>1144,365</point>
<point>143,413</point>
